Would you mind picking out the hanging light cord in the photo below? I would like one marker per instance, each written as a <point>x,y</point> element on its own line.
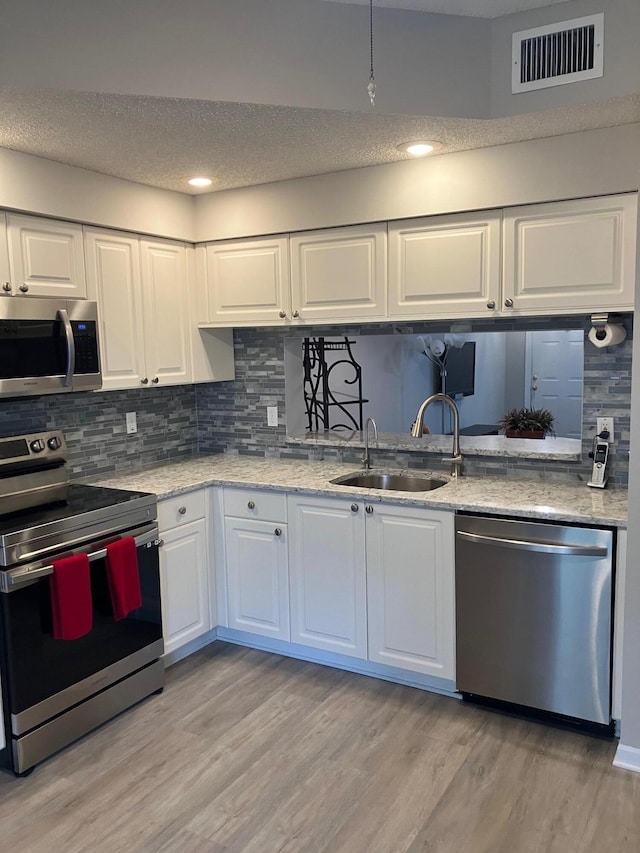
<point>371,88</point>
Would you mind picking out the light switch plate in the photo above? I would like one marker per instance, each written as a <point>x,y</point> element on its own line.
<point>272,416</point>
<point>132,423</point>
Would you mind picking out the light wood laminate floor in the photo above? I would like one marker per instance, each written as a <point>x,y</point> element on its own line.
<point>247,752</point>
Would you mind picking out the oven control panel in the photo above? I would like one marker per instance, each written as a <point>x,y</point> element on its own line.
<point>45,447</point>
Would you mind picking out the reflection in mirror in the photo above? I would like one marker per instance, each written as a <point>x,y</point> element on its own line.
<point>336,382</point>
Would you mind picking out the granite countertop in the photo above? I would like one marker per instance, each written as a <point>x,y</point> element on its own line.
<point>543,499</point>
<point>547,449</point>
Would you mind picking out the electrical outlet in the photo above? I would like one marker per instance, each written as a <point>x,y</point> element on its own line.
<point>605,425</point>
<point>132,423</point>
<point>272,416</point>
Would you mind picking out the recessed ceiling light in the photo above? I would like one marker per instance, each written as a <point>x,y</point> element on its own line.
<point>419,149</point>
<point>200,182</point>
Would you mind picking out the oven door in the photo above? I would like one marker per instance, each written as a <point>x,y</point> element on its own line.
<point>42,677</point>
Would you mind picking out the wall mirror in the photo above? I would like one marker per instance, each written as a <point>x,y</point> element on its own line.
<point>336,382</point>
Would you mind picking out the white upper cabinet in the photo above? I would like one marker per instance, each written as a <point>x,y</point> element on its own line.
<point>247,282</point>
<point>5,275</point>
<point>445,266</point>
<point>339,273</point>
<point>143,307</point>
<point>574,255</point>
<point>410,589</point>
<point>113,280</point>
<point>165,303</point>
<point>46,258</point>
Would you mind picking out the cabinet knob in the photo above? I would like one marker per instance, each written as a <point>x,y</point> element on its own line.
<point>251,505</point>
<point>278,531</point>
<point>160,543</point>
<point>508,303</point>
<point>282,314</point>
<point>24,288</point>
<point>354,507</point>
<point>145,381</point>
<point>368,509</point>
<point>182,510</point>
<point>491,304</point>
<point>155,380</point>
<point>296,314</point>
<point>7,287</point>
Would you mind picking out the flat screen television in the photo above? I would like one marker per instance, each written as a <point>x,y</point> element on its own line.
<point>461,370</point>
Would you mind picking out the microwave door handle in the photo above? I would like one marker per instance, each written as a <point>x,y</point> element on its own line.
<point>71,347</point>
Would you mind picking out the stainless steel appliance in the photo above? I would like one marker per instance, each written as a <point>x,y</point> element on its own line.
<point>55,691</point>
<point>48,346</point>
<point>534,615</point>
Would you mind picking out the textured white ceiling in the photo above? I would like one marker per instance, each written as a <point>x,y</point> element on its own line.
<point>163,141</point>
<point>472,8</point>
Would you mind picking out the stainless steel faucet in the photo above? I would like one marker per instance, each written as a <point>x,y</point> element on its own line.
<point>366,459</point>
<point>418,426</point>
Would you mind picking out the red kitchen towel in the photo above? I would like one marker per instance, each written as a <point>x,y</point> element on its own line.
<point>124,577</point>
<point>71,604</point>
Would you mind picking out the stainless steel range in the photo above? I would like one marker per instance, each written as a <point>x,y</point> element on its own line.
<point>56,690</point>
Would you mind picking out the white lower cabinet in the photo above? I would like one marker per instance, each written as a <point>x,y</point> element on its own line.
<point>328,575</point>
<point>257,563</point>
<point>410,589</point>
<point>184,569</point>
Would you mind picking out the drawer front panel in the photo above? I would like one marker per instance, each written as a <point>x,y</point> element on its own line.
<point>181,509</point>
<point>254,503</point>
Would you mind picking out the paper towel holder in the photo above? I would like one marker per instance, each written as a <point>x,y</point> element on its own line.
<point>599,327</point>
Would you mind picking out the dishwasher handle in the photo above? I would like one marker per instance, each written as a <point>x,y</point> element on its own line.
<point>539,547</point>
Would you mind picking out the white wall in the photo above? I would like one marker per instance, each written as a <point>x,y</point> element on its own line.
<point>591,163</point>
<point>35,185</point>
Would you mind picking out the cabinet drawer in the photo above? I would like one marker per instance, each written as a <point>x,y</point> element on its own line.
<point>253,503</point>
<point>182,509</point>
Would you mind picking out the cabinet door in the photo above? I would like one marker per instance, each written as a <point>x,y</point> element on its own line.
<point>257,577</point>
<point>446,266</point>
<point>5,275</point>
<point>410,589</point>
<point>248,282</point>
<point>570,256</point>
<point>184,584</point>
<point>46,257</point>
<point>328,575</point>
<point>339,273</point>
<point>113,280</point>
<point>166,312</point>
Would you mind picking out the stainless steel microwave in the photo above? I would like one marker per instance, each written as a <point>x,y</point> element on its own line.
<point>48,346</point>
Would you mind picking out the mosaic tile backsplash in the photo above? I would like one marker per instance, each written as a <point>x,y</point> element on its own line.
<point>231,415</point>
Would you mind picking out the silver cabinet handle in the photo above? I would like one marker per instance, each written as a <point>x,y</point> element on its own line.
<point>71,347</point>
<point>534,387</point>
<point>182,510</point>
<point>508,303</point>
<point>145,381</point>
<point>540,547</point>
<point>251,505</point>
<point>295,314</point>
<point>354,507</point>
<point>7,287</point>
<point>160,543</point>
<point>278,531</point>
<point>282,314</point>
<point>368,509</point>
<point>24,288</point>
<point>491,304</point>
<point>155,380</point>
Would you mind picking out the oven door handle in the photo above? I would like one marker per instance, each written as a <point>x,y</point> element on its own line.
<point>71,347</point>
<point>27,573</point>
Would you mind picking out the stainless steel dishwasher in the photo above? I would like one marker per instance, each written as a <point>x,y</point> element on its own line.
<point>534,615</point>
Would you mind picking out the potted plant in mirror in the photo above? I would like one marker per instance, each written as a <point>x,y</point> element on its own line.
<point>527,423</point>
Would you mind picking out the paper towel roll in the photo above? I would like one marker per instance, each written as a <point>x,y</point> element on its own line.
<point>608,335</point>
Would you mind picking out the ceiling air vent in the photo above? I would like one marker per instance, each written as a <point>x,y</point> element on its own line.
<point>558,53</point>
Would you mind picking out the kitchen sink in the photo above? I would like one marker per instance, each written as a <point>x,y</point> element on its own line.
<point>391,482</point>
